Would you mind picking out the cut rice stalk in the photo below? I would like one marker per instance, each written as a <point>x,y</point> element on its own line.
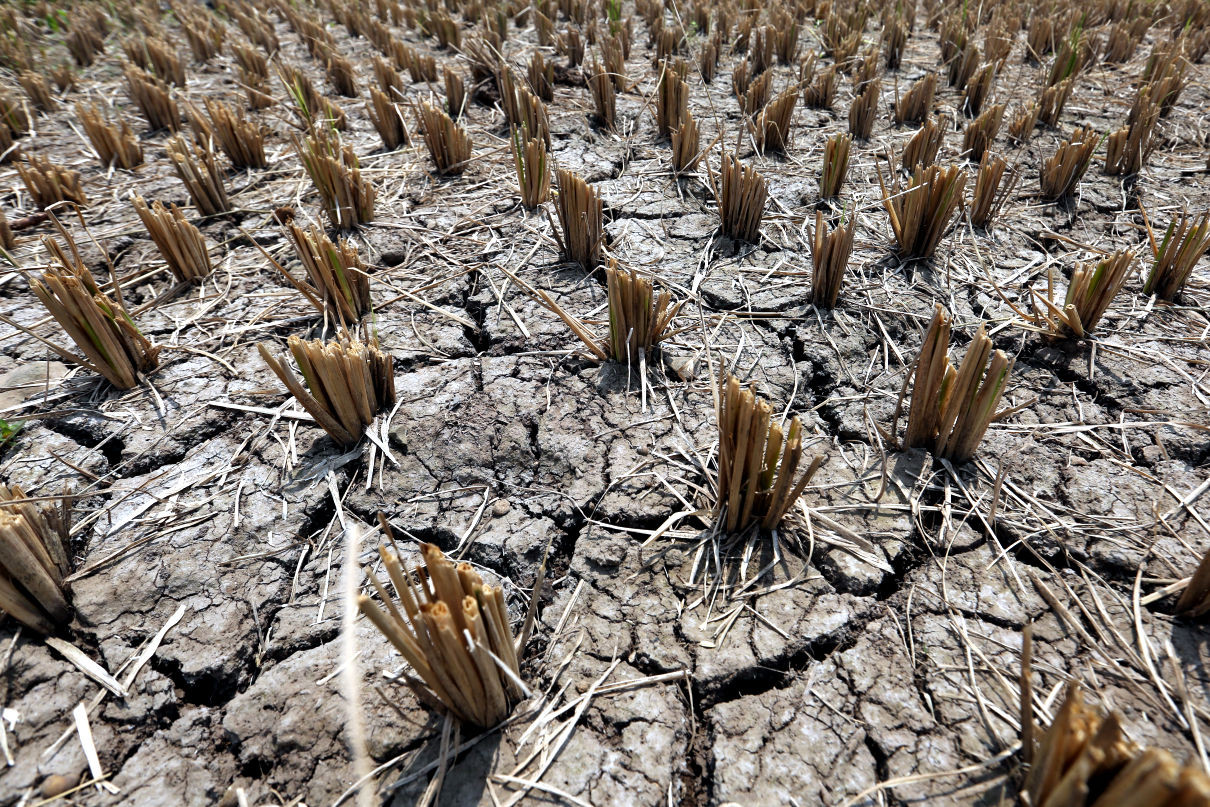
<point>33,562</point>
<point>347,383</point>
<point>181,245</point>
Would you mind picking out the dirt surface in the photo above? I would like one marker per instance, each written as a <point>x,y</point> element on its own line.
<point>866,654</point>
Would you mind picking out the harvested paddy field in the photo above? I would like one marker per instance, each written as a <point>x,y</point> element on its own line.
<point>492,403</point>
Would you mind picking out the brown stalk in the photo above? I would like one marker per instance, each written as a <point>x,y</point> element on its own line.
<point>347,383</point>
<point>951,409</point>
<point>7,240</point>
<point>311,108</point>
<point>922,148</point>
<point>1023,123</point>
<point>241,139</point>
<point>455,93</point>
<point>1052,100</point>
<point>686,146</point>
<point>822,92</point>
<point>864,110</point>
<point>198,169</point>
<point>340,73</point>
<point>672,101</point>
<point>84,43</point>
<point>114,145</point>
<point>387,118</point>
<point>991,191</point>
<point>49,183</point>
<point>580,214</point>
<point>756,473</point>
<point>533,173</point>
<point>1062,171</point>
<point>741,200</point>
<point>38,89</point>
<point>1185,241</point>
<point>1129,148</point>
<point>604,95</point>
<point>771,129</point>
<point>181,245</point>
<point>448,143</point>
<point>829,258</point>
<point>111,344</point>
<point>453,630</point>
<point>1092,288</point>
<point>348,199</point>
<point>153,99</point>
<point>981,133</point>
<point>157,57</point>
<point>340,280</point>
<point>541,77</point>
<point>922,212</point>
<point>1084,757</point>
<point>914,106</point>
<point>835,165</point>
<point>33,562</point>
<point>978,89</point>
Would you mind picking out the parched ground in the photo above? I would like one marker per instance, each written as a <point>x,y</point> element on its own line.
<point>868,655</point>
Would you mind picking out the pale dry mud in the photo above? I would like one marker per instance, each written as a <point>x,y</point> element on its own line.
<point>830,673</point>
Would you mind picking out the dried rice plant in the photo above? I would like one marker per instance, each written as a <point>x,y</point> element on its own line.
<point>921,213</point>
<point>523,108</point>
<point>114,146</point>
<point>49,183</point>
<point>615,62</point>
<point>390,83</point>
<point>672,101</point>
<point>1052,101</point>
<point>38,89</point>
<point>1121,44</point>
<point>864,110</point>
<point>1086,758</point>
<point>311,107</point>
<point>1022,125</point>
<point>387,118</point>
<point>7,240</point>
<point>922,148</point>
<point>894,38</point>
<point>84,43</point>
<point>156,56</point>
<point>64,77</point>
<point>981,133</point>
<point>251,61</point>
<point>242,140</point>
<point>822,92</point>
<point>1185,241</point>
<point>1194,602</point>
<point>14,115</point>
<point>1092,288</point>
<point>1064,169</point>
<point>686,146</point>
<point>198,170</point>
<point>835,165</point>
<point>829,258</point>
<point>347,383</point>
<point>951,409</point>
<point>756,97</point>
<point>915,105</point>
<point>741,200</point>
<point>448,143</point>
<point>348,200</point>
<point>422,68</point>
<point>604,95</point>
<point>991,191</point>
<point>454,632</point>
<point>153,99</point>
<point>341,74</point>
<point>978,89</point>
<point>203,33</point>
<point>541,77</point>
<point>581,218</point>
<point>111,344</point>
<point>1129,148</point>
<point>771,129</point>
<point>33,561</point>
<point>533,173</point>
<point>339,278</point>
<point>756,475</point>
<point>455,93</point>
<point>181,245</point>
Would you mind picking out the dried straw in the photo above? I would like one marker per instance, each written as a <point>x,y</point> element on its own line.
<point>180,243</point>
<point>33,562</point>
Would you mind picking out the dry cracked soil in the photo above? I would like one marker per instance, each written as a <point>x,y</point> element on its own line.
<point>866,654</point>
